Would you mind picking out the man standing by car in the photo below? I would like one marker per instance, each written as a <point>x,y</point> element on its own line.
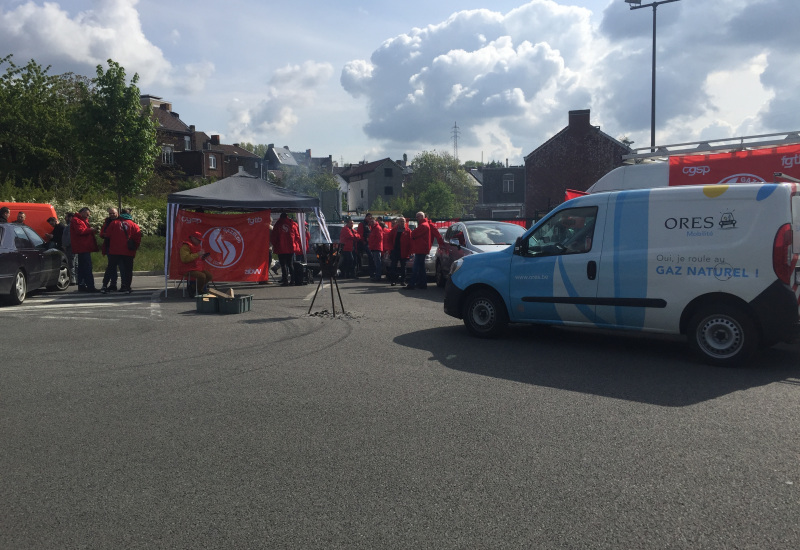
<point>283,237</point>
<point>421,239</point>
<point>375,243</point>
<point>110,276</point>
<point>83,244</point>
<point>57,234</point>
<point>347,239</point>
<point>124,238</point>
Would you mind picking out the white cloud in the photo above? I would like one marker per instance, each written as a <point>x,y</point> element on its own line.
<point>480,69</point>
<point>78,43</point>
<point>290,88</point>
<point>509,80</point>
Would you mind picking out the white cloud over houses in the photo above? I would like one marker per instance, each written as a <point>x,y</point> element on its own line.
<point>290,87</point>
<point>78,43</point>
<point>499,77</point>
<point>511,78</point>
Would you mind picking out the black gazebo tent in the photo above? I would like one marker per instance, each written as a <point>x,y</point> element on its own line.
<point>240,192</point>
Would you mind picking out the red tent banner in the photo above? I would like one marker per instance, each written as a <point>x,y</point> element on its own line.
<point>754,166</point>
<point>238,244</point>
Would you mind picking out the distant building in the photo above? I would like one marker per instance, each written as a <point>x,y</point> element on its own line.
<point>196,153</point>
<point>574,158</point>
<point>502,192</point>
<point>368,181</point>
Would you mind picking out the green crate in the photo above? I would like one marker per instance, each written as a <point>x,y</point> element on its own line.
<point>237,304</point>
<point>207,304</point>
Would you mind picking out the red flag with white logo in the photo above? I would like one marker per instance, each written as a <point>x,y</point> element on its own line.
<point>238,244</point>
<point>756,166</point>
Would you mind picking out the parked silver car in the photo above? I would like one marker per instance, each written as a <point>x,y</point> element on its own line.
<point>472,237</point>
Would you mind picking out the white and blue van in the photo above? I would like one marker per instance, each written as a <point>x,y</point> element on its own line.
<point>717,263</point>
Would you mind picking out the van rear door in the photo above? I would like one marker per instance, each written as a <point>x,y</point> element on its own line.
<point>553,275</point>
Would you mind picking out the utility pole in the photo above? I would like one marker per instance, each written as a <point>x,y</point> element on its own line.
<point>455,133</point>
<point>635,5</point>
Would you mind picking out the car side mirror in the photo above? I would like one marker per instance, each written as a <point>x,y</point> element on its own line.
<point>454,242</point>
<point>519,246</point>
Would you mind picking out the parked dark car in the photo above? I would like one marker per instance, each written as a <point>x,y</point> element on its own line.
<point>473,237</point>
<point>28,263</point>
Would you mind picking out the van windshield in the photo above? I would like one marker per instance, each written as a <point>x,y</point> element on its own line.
<point>569,231</point>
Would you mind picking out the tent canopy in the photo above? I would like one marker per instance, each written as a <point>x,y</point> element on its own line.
<point>244,192</point>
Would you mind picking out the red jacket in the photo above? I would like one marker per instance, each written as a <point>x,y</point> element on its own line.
<point>190,257</point>
<point>81,236</point>
<point>348,238</point>
<point>421,238</point>
<point>118,232</point>
<point>375,242</point>
<point>284,236</point>
<point>405,242</point>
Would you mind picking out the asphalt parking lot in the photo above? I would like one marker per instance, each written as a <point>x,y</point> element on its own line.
<point>133,421</point>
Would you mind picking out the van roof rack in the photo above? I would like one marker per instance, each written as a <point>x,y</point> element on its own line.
<point>713,146</point>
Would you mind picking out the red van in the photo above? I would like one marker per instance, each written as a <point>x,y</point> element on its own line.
<point>36,215</point>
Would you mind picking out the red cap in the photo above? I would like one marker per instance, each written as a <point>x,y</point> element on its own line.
<point>197,235</point>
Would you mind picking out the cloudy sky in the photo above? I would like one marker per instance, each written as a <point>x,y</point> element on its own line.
<point>365,80</point>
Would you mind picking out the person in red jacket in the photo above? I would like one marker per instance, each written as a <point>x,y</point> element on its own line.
<point>399,239</point>
<point>420,246</point>
<point>193,258</point>
<point>124,238</point>
<point>375,244</point>
<point>83,244</point>
<point>285,239</point>
<point>347,240</point>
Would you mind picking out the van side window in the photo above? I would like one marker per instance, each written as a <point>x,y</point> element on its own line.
<point>569,231</point>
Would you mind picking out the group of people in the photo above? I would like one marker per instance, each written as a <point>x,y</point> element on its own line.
<point>5,212</point>
<point>376,238</point>
<point>121,239</point>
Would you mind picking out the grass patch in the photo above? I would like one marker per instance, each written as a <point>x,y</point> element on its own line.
<point>149,257</point>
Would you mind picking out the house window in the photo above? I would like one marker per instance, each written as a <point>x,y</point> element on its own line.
<point>187,143</point>
<point>212,162</point>
<point>508,183</point>
<point>362,193</point>
<point>388,190</point>
<point>166,155</point>
<point>387,172</point>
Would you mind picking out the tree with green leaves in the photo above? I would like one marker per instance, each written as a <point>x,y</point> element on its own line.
<point>435,173</point>
<point>259,149</point>
<point>308,183</point>
<point>119,136</point>
<point>38,144</point>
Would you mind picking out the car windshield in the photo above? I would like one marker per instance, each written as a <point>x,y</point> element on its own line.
<point>487,234</point>
<point>333,230</point>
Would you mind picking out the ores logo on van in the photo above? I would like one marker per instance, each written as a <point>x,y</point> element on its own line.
<point>227,246</point>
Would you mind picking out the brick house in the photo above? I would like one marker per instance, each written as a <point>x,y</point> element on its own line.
<point>574,158</point>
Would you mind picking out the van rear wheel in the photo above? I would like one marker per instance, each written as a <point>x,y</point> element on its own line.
<point>723,335</point>
<point>485,314</point>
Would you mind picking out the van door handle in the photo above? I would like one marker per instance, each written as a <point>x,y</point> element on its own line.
<point>591,270</point>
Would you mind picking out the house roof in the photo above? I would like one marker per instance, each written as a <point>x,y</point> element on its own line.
<point>167,120</point>
<point>358,169</point>
<point>282,156</point>
<point>236,151</point>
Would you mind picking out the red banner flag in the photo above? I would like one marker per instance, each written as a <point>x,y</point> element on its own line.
<point>755,166</point>
<point>238,244</point>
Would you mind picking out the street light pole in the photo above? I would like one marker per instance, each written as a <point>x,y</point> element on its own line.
<point>635,5</point>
